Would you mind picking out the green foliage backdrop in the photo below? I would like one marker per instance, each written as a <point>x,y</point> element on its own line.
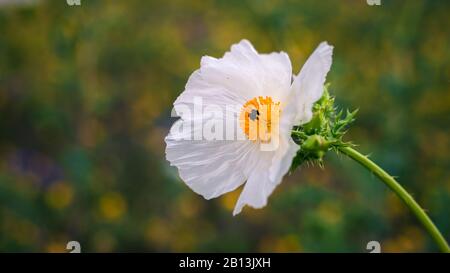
<point>85,101</point>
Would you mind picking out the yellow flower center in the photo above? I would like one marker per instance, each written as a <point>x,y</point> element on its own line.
<point>259,118</point>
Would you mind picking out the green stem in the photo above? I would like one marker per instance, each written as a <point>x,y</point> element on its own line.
<point>402,193</point>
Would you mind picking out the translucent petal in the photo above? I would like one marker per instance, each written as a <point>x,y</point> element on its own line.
<point>308,85</point>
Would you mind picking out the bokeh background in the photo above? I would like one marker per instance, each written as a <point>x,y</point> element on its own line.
<point>85,101</point>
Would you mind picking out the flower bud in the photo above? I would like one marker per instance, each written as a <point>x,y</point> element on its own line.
<point>316,123</point>
<point>316,146</point>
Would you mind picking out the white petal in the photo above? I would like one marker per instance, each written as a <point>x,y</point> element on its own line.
<point>283,157</point>
<point>245,72</point>
<point>308,85</point>
<point>211,94</point>
<point>282,160</point>
<point>266,175</point>
<point>258,186</point>
<point>209,168</point>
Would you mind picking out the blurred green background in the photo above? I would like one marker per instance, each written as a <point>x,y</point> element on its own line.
<point>85,101</point>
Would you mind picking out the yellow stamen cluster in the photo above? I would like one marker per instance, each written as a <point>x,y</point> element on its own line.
<point>258,118</point>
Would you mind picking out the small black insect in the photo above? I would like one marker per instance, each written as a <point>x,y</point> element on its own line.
<point>254,114</point>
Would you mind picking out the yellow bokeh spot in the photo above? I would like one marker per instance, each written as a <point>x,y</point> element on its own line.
<point>330,213</point>
<point>228,201</point>
<point>184,242</point>
<point>56,245</point>
<point>158,232</point>
<point>286,243</point>
<point>411,239</point>
<point>112,206</point>
<point>60,195</point>
<point>188,206</point>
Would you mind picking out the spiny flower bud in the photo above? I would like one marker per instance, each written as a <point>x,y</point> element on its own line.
<point>316,146</point>
<point>323,132</point>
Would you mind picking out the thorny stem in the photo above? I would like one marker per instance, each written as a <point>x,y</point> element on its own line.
<point>401,192</point>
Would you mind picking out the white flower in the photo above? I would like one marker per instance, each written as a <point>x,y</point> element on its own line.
<point>271,101</point>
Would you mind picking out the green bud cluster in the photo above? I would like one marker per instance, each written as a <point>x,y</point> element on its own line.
<point>322,133</point>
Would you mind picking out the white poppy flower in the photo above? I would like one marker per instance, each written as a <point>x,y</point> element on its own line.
<point>270,102</point>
